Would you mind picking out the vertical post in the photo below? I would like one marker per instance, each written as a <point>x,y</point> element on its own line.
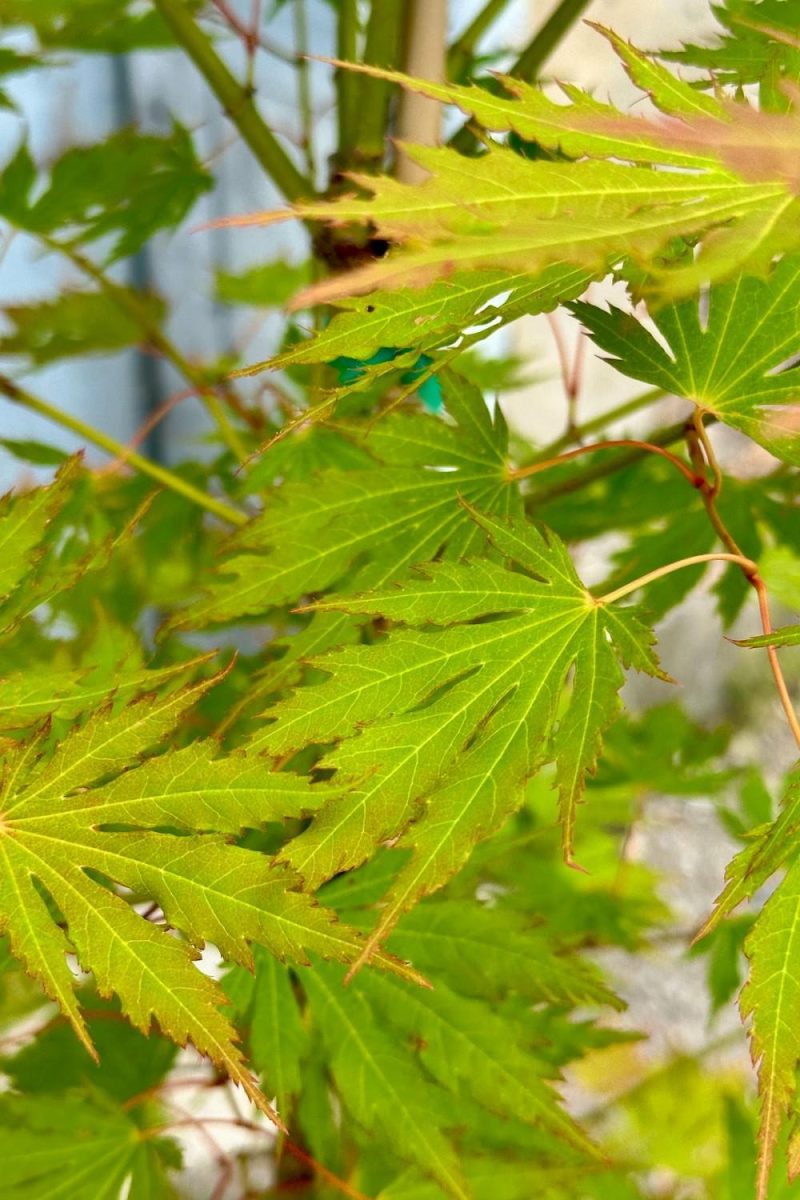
<point>418,118</point>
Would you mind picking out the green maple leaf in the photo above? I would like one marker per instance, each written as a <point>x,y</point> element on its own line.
<point>276,1036</point>
<point>70,1146</point>
<point>766,853</point>
<point>430,320</point>
<point>507,1178</point>
<point>466,1061</point>
<point>574,129</point>
<point>91,26</point>
<point>33,566</point>
<point>443,724</point>
<point>127,188</point>
<point>28,696</point>
<point>787,635</point>
<point>487,953</point>
<point>472,1052</point>
<point>748,51</point>
<point>771,997</point>
<point>55,1062</point>
<point>75,323</point>
<point>502,211</point>
<point>379,1082</point>
<point>732,363</point>
<point>62,839</point>
<point>24,521</point>
<point>369,525</point>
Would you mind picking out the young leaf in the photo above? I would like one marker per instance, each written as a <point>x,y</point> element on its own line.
<point>503,211</point>
<point>736,363</point>
<point>669,93</point>
<point>459,715</point>
<point>530,113</point>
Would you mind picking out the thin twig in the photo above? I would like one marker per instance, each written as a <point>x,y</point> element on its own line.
<point>304,86</point>
<point>168,479</point>
<point>136,311</point>
<point>702,450</point>
<point>148,426</point>
<point>693,560</point>
<point>237,101</point>
<point>341,1185</point>
<point>697,481</point>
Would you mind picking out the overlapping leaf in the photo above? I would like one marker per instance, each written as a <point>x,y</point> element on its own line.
<point>504,211</point>
<point>459,712</point>
<point>367,526</point>
<point>463,1048</point>
<point>24,520</point>
<point>432,320</point>
<point>755,44</point>
<point>501,211</point>
<point>35,566</point>
<point>737,360</point>
<point>62,839</point>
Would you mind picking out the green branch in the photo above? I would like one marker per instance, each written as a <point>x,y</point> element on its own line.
<point>304,84</point>
<point>383,48</point>
<point>346,81</point>
<point>236,101</point>
<point>463,48</point>
<point>539,49</point>
<point>162,475</point>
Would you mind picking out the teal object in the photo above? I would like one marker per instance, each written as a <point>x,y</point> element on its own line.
<point>350,370</point>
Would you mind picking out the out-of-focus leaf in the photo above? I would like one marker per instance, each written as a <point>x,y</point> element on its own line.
<point>267,286</point>
<point>75,323</point>
<point>126,188</point>
<point>78,1148</point>
<point>93,26</point>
